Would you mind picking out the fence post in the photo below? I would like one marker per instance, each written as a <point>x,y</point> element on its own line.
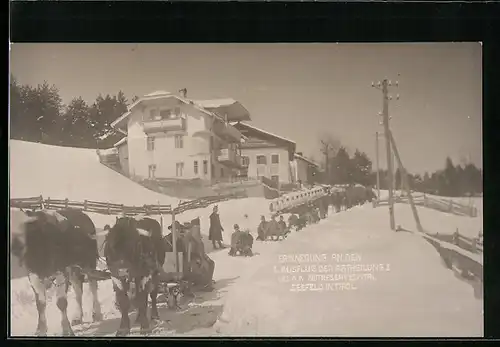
<point>41,202</point>
<point>456,237</point>
<point>123,209</point>
<point>85,205</point>
<point>66,203</point>
<point>425,200</point>
<point>450,205</point>
<point>474,245</point>
<point>47,203</point>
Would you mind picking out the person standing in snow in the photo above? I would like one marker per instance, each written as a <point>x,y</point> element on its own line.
<point>216,229</point>
<point>283,228</point>
<point>262,229</point>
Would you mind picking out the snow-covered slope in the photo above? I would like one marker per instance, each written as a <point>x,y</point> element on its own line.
<point>418,296</point>
<point>74,173</point>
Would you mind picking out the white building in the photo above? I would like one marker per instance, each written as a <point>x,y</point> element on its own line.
<point>171,137</point>
<point>266,155</point>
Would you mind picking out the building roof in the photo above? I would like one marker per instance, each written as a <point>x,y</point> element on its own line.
<point>234,110</point>
<point>305,159</point>
<point>248,126</point>
<point>218,108</point>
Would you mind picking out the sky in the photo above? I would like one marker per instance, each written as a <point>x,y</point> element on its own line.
<point>299,91</point>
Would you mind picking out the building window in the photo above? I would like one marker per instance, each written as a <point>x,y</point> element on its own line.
<point>165,114</point>
<point>153,114</point>
<point>179,169</point>
<point>221,172</point>
<point>195,167</point>
<point>177,112</point>
<point>150,143</point>
<point>245,161</point>
<point>261,160</point>
<point>205,167</point>
<point>275,159</point>
<point>179,141</point>
<point>151,171</point>
<point>275,178</point>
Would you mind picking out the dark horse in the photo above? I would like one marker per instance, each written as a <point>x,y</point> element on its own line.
<point>135,252</point>
<point>59,247</point>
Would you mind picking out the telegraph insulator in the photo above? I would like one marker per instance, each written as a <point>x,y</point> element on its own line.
<point>379,84</point>
<point>397,83</point>
<point>390,97</point>
<point>397,96</point>
<point>380,113</point>
<point>373,84</point>
<point>390,83</point>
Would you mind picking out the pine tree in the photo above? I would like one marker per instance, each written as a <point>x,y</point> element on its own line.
<point>361,168</point>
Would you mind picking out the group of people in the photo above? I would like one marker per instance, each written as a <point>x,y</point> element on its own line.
<point>311,213</point>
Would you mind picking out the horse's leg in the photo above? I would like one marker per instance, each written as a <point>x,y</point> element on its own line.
<point>96,305</point>
<point>143,288</point>
<point>41,303</point>
<point>62,286</point>
<point>120,287</point>
<point>154,294</point>
<point>76,280</point>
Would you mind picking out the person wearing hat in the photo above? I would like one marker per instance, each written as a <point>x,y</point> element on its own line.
<point>241,241</point>
<point>216,229</point>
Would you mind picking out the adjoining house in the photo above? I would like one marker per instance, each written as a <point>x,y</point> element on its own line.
<point>169,136</point>
<point>266,155</point>
<point>306,171</point>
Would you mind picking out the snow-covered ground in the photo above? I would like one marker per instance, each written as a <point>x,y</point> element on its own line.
<point>418,296</point>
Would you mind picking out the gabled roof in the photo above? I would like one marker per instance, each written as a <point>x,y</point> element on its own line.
<point>305,159</point>
<point>248,126</point>
<point>216,108</point>
<point>161,95</point>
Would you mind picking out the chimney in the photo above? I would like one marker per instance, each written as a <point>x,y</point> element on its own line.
<point>183,92</point>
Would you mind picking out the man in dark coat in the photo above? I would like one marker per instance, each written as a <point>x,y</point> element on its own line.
<point>283,228</point>
<point>216,229</point>
<point>262,229</point>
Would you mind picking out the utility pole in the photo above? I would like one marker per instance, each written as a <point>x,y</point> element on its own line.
<point>384,87</point>
<point>377,165</point>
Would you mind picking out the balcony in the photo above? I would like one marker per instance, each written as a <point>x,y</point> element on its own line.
<point>229,158</point>
<point>163,125</point>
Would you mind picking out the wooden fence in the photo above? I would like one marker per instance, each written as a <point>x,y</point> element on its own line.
<point>36,203</point>
<point>440,204</point>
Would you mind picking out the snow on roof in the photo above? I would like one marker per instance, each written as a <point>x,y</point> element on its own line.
<point>305,159</point>
<point>157,93</point>
<point>215,103</point>
<point>122,141</point>
<point>265,132</point>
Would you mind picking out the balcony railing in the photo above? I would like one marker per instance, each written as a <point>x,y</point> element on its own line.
<point>229,157</point>
<point>163,125</point>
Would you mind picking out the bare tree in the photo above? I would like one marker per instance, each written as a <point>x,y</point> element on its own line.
<point>330,144</point>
